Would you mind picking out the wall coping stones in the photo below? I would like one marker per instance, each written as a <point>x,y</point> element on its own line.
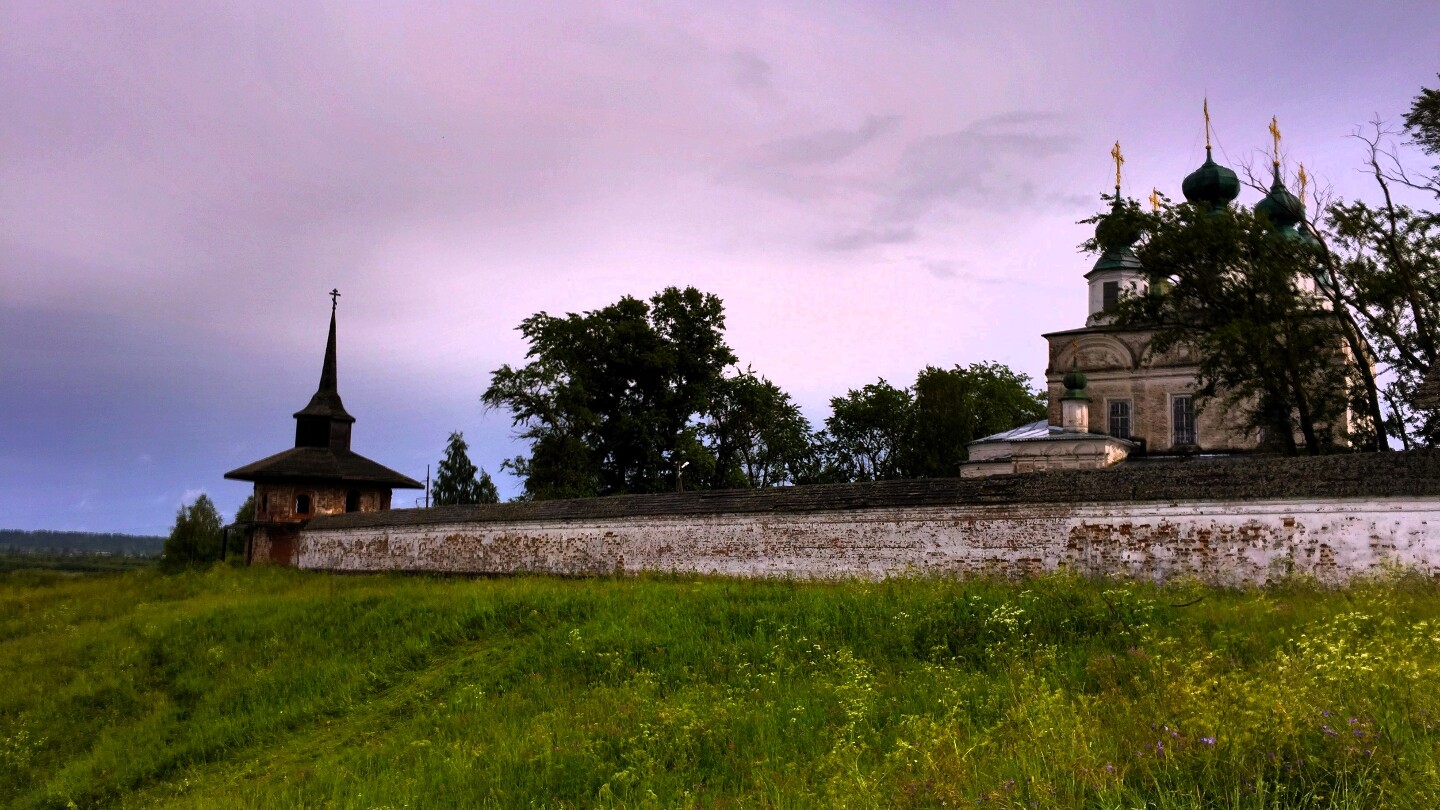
<point>1412,474</point>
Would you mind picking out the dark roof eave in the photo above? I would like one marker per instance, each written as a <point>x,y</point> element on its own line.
<point>322,464</point>
<point>400,482</point>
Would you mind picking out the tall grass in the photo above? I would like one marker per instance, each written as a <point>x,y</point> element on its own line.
<point>277,688</point>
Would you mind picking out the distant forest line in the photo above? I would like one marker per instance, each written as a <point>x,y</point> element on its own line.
<point>53,542</point>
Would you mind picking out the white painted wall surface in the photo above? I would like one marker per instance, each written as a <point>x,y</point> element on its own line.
<point>1222,543</point>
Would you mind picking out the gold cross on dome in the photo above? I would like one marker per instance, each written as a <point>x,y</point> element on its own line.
<point>1119,161</point>
<point>1275,134</point>
<point>1154,199</point>
<point>1206,107</point>
<point>1304,182</point>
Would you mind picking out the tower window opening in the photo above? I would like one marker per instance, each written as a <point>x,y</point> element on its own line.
<point>1110,295</point>
<point>352,501</point>
<point>302,504</point>
<point>1120,418</point>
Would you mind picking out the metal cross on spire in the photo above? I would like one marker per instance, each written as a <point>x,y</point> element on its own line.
<point>334,298</point>
<point>1154,199</point>
<point>1119,161</point>
<point>1275,134</point>
<point>1304,181</point>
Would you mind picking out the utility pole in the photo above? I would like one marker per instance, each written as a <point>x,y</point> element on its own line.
<point>427,486</point>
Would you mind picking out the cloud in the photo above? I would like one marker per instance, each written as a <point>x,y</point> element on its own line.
<point>1000,163</point>
<point>868,237</point>
<point>190,495</point>
<point>750,71</point>
<point>993,162</point>
<point>942,269</point>
<point>951,270</point>
<point>824,147</point>
<point>812,166</point>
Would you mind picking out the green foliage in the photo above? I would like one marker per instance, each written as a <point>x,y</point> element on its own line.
<point>1229,288</point>
<point>882,432</point>
<point>195,538</point>
<point>610,399</point>
<point>246,512</point>
<point>1383,269</point>
<point>1423,121</point>
<point>621,399</point>
<point>954,407</point>
<point>127,545</point>
<point>457,480</point>
<point>277,688</point>
<point>486,492</point>
<point>869,432</point>
<point>72,562</point>
<point>758,435</point>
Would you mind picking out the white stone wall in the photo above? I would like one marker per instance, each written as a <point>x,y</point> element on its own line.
<point>1225,543</point>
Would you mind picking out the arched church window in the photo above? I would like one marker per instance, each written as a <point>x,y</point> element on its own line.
<point>302,504</point>
<point>352,501</point>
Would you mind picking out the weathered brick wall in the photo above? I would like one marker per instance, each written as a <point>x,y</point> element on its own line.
<point>1227,522</point>
<point>276,502</point>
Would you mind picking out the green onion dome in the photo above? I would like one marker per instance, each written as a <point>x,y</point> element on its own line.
<point>1211,184</point>
<point>1282,208</point>
<point>1116,234</point>
<point>1075,383</point>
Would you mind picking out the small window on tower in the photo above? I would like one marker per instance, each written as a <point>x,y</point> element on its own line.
<point>1110,291</point>
<point>1120,418</point>
<point>302,504</point>
<point>352,501</point>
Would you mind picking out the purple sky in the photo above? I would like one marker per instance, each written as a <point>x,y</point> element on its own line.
<point>870,187</point>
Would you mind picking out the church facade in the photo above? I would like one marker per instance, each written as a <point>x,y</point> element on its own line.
<point>1136,401</point>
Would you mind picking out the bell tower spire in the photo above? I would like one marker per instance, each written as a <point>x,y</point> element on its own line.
<point>324,422</point>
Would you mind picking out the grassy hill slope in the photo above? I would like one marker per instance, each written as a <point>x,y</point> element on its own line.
<point>278,688</point>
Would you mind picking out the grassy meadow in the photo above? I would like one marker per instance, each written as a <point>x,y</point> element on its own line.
<point>279,688</point>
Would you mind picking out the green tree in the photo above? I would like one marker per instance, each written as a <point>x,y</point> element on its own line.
<point>758,436</point>
<point>954,407</point>
<point>457,480</point>
<point>1383,269</point>
<point>235,539</point>
<point>882,432</point>
<point>610,400</point>
<point>1422,122</point>
<point>246,512</point>
<point>1237,291</point>
<point>485,488</point>
<point>195,537</point>
<point>870,433</point>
